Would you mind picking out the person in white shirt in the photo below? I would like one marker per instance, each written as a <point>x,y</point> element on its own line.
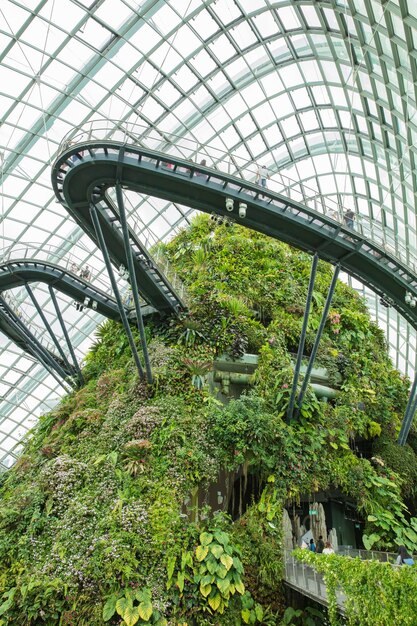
<point>328,548</point>
<point>262,175</point>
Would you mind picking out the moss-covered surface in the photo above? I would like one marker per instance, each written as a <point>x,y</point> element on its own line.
<point>97,518</point>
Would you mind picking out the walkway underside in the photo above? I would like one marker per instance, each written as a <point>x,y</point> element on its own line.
<point>58,356</point>
<point>79,183</point>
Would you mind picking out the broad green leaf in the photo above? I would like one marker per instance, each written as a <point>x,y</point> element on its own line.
<point>121,605</point>
<point>221,571</point>
<point>334,445</point>
<point>223,585</point>
<point>240,587</point>
<point>238,565</point>
<point>259,612</point>
<point>145,610</point>
<point>221,537</point>
<point>207,580</point>
<point>113,456</point>
<point>188,558</point>
<point>372,518</point>
<point>215,601</point>
<point>211,565</point>
<point>170,566</point>
<point>100,459</point>
<point>206,538</point>
<point>411,534</point>
<point>227,561</point>
<point>6,606</point>
<point>201,552</point>
<point>109,608</point>
<point>369,541</point>
<point>131,615</point>
<point>205,590</point>
<point>216,550</point>
<point>180,581</point>
<point>246,615</point>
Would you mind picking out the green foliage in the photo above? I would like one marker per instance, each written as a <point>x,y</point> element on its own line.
<point>134,607</point>
<point>102,519</point>
<point>208,577</point>
<point>376,593</point>
<point>299,617</point>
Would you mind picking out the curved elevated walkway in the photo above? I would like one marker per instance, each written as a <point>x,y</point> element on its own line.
<point>20,273</point>
<point>82,176</point>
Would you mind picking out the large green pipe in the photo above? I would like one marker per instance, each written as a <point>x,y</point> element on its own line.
<point>321,391</point>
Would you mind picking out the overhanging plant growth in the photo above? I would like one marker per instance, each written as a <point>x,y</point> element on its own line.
<point>103,519</point>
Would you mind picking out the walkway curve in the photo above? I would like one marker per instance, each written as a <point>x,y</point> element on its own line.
<point>20,272</point>
<point>83,174</point>
<point>17,272</point>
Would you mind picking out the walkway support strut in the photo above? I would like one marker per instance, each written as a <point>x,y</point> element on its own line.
<point>65,332</point>
<point>409,414</point>
<point>48,326</point>
<point>317,339</point>
<point>132,279</point>
<point>301,343</point>
<point>125,322</point>
<point>37,350</point>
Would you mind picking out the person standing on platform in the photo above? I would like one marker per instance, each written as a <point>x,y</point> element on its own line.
<point>349,217</point>
<point>328,549</point>
<point>320,545</point>
<point>262,175</point>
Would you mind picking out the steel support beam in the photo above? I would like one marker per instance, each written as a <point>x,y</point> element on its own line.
<point>38,350</point>
<point>132,279</point>
<point>66,335</point>
<point>106,256</point>
<point>301,343</point>
<point>48,327</point>
<point>307,375</point>
<point>409,414</point>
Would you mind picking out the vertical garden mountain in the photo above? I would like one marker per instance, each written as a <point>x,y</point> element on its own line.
<point>106,516</point>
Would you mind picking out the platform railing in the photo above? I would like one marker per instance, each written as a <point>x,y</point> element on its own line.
<point>228,162</point>
<point>73,261</point>
<point>307,581</point>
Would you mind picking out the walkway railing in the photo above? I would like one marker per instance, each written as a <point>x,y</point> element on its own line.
<point>90,270</point>
<point>307,581</point>
<point>73,261</point>
<point>227,162</point>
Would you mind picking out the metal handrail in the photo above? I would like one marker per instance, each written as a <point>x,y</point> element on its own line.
<point>227,162</point>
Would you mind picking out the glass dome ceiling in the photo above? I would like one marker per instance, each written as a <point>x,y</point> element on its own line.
<point>322,93</point>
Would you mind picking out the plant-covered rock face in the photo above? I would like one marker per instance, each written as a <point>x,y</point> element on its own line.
<point>103,520</point>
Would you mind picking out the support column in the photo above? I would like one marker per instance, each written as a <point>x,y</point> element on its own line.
<point>39,352</point>
<point>301,343</point>
<point>409,414</point>
<point>64,330</point>
<point>132,280</point>
<point>307,375</point>
<point>106,256</point>
<point>47,326</point>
